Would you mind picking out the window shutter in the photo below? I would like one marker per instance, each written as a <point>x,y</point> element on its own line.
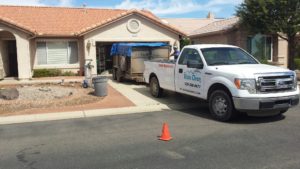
<point>73,53</point>
<point>57,52</point>
<point>41,53</point>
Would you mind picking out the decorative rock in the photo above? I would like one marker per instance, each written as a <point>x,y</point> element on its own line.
<point>9,94</point>
<point>45,89</point>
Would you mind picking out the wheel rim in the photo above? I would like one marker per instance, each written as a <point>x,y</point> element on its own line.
<point>220,106</point>
<point>154,87</point>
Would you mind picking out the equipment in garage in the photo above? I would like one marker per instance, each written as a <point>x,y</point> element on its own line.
<point>128,58</point>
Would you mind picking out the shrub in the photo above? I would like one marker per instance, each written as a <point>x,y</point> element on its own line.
<point>297,63</point>
<point>69,73</point>
<point>51,73</point>
<point>46,72</point>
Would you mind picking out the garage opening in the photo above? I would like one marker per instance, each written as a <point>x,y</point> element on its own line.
<point>104,60</point>
<point>8,55</point>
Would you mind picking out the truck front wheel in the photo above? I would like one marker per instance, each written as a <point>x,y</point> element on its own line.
<point>221,106</point>
<point>155,89</point>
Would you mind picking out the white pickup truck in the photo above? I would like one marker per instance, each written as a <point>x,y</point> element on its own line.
<point>230,79</point>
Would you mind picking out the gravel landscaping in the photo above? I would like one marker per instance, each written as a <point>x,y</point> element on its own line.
<point>47,96</point>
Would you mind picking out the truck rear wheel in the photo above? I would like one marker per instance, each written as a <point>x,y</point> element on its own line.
<point>119,75</point>
<point>221,106</point>
<point>114,74</point>
<point>155,89</point>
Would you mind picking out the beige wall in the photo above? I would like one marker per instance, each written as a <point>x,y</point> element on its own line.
<point>118,32</point>
<point>220,38</point>
<point>3,59</point>
<point>282,52</point>
<point>23,52</point>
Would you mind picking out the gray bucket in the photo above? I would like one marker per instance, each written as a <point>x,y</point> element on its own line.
<point>100,85</point>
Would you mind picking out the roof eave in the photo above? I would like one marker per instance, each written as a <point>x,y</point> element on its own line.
<point>56,36</point>
<point>17,26</point>
<point>212,33</point>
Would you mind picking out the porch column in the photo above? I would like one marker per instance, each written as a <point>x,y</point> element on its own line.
<point>90,53</point>
<point>23,54</point>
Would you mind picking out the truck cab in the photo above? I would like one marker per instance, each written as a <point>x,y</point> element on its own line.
<point>229,78</point>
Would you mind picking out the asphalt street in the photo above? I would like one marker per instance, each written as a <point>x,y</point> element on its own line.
<point>131,142</point>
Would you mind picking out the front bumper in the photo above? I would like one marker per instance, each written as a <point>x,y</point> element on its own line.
<point>265,104</point>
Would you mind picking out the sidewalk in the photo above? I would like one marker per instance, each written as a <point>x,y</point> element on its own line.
<point>137,94</point>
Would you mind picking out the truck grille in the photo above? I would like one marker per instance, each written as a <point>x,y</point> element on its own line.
<point>275,83</point>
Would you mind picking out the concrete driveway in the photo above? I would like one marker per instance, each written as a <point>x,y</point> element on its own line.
<point>139,94</point>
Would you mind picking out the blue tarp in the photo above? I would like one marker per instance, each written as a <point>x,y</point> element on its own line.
<point>125,49</point>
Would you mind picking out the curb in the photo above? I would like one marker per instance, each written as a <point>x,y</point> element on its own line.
<point>91,113</point>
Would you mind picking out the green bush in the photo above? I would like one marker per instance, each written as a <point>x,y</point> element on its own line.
<point>297,63</point>
<point>69,73</point>
<point>263,61</point>
<point>51,73</point>
<point>46,72</point>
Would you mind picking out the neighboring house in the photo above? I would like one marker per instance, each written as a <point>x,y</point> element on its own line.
<point>62,38</point>
<point>269,48</point>
<point>188,25</point>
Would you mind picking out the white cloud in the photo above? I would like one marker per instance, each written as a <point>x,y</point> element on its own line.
<point>37,2</point>
<point>65,3</point>
<point>167,7</point>
<point>22,2</point>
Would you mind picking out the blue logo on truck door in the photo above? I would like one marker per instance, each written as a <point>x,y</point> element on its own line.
<point>192,79</point>
<point>191,76</point>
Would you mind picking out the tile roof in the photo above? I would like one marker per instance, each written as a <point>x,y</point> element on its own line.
<point>189,25</point>
<point>217,26</point>
<point>62,21</point>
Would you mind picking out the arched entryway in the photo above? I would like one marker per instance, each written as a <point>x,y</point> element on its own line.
<point>8,54</point>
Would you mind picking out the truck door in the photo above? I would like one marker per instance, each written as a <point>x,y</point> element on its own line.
<point>189,73</point>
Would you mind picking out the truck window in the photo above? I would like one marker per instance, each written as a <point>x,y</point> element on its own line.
<point>227,56</point>
<point>191,55</point>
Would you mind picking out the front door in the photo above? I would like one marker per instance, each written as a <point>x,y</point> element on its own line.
<point>12,58</point>
<point>189,80</point>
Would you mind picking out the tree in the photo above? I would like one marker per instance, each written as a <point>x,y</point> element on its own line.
<point>281,17</point>
<point>184,42</point>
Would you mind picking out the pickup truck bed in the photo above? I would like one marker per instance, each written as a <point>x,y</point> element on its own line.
<point>163,68</point>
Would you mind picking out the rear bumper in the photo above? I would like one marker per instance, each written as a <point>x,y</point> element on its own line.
<point>265,104</point>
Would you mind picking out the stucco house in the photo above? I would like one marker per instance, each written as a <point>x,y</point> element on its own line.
<point>62,38</point>
<point>270,48</point>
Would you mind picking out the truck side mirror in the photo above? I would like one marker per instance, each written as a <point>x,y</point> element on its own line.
<point>194,64</point>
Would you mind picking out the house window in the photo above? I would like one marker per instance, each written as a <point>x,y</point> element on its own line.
<point>57,52</point>
<point>261,47</point>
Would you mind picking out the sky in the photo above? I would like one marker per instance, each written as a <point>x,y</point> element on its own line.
<point>162,8</point>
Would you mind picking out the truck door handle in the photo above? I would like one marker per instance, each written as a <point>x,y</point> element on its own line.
<point>180,71</point>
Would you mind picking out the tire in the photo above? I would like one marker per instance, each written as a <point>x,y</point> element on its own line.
<point>114,74</point>
<point>119,76</point>
<point>155,89</point>
<point>221,106</point>
<point>283,111</point>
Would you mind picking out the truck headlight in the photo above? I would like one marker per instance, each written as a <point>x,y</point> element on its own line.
<point>246,84</point>
<point>295,81</point>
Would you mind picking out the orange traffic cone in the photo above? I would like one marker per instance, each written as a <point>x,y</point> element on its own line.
<point>165,135</point>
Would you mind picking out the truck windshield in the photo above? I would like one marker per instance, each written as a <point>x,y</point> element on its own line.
<point>226,56</point>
